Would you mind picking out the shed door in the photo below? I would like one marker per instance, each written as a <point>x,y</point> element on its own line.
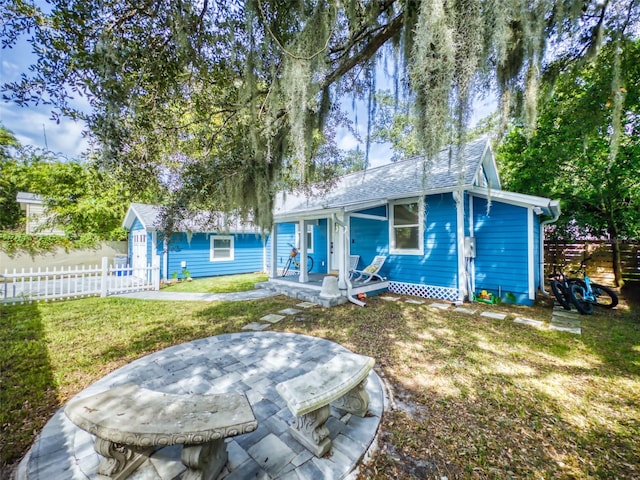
<point>139,252</point>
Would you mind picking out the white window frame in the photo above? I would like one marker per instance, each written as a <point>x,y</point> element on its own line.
<point>212,240</point>
<point>392,227</point>
<point>310,236</point>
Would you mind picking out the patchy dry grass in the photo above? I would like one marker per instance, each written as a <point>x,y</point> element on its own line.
<point>472,397</point>
<point>480,398</point>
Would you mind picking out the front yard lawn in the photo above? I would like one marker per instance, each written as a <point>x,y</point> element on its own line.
<point>471,397</point>
<point>221,284</point>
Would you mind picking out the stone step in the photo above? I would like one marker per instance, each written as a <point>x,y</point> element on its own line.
<point>529,321</point>
<point>494,315</point>
<point>566,314</point>
<point>303,294</point>
<point>565,328</point>
<point>566,320</point>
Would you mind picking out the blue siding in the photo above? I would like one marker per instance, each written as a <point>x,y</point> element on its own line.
<point>286,234</point>
<point>248,255</point>
<point>368,239</point>
<point>439,264</point>
<point>501,249</point>
<point>380,211</point>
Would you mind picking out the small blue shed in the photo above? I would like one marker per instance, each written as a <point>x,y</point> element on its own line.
<point>199,247</point>
<point>447,228</point>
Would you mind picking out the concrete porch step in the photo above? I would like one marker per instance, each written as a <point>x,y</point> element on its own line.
<point>301,293</point>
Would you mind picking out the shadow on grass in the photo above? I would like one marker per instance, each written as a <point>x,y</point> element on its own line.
<point>173,327</point>
<point>485,398</point>
<point>28,393</point>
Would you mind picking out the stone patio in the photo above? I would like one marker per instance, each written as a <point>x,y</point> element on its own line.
<point>253,363</point>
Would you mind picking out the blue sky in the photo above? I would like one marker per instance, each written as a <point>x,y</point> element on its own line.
<point>32,125</point>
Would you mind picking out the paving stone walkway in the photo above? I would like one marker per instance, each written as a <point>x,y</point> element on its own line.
<point>562,320</point>
<point>250,362</point>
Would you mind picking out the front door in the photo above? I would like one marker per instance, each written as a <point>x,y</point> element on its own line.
<point>333,247</point>
<point>139,253</point>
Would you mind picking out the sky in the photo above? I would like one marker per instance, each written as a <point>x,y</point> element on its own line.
<point>33,125</point>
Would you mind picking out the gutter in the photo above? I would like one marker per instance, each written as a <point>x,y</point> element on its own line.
<point>542,225</point>
<point>350,295</point>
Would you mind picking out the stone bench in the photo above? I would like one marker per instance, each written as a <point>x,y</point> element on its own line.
<point>129,422</point>
<point>340,382</point>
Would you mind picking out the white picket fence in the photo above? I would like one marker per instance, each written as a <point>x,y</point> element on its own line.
<point>65,283</point>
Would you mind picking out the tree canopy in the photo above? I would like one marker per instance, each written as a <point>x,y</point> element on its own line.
<point>80,197</point>
<point>242,97</point>
<point>578,154</point>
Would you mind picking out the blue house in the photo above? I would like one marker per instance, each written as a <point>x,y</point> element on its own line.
<point>445,226</point>
<point>206,245</point>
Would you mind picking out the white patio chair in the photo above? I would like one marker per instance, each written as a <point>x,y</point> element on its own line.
<point>370,272</point>
<point>353,263</point>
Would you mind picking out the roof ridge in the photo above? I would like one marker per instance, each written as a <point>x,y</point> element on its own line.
<point>416,158</point>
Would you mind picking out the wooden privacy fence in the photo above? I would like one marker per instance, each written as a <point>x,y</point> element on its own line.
<point>63,283</point>
<point>600,267</point>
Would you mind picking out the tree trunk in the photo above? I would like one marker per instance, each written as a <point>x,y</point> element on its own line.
<point>615,252</point>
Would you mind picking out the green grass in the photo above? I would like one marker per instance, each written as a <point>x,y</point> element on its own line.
<point>222,284</point>
<point>474,397</point>
<point>50,351</point>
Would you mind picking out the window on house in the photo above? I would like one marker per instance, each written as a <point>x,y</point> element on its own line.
<point>221,249</point>
<point>309,238</point>
<point>407,227</point>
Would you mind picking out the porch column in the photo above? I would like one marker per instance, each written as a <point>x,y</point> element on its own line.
<point>302,229</point>
<point>273,270</point>
<point>342,244</point>
<point>462,273</point>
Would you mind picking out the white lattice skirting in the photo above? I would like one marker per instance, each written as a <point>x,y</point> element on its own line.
<point>425,291</point>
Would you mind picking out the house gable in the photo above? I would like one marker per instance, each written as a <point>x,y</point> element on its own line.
<point>374,187</point>
<point>35,213</point>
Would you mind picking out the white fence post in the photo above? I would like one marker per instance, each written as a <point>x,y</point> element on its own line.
<point>74,282</point>
<point>104,287</point>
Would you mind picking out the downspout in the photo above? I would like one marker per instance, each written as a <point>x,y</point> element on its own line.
<point>350,296</point>
<point>542,225</point>
<point>458,197</point>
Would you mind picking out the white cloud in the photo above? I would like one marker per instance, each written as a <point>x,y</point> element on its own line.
<point>33,126</point>
<point>346,141</point>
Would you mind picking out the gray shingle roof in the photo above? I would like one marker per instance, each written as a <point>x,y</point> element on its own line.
<point>26,197</point>
<point>151,217</point>
<point>407,178</point>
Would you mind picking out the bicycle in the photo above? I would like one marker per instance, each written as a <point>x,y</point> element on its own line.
<point>296,264</point>
<point>586,294</point>
<point>560,286</point>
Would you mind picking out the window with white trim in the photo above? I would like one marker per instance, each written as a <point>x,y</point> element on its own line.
<point>406,227</point>
<point>309,238</point>
<point>221,248</point>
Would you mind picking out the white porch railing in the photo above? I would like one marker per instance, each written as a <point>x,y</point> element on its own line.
<point>65,283</point>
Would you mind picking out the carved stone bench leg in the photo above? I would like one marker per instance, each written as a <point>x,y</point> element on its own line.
<point>119,460</point>
<point>355,401</point>
<point>309,430</point>
<point>205,461</point>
